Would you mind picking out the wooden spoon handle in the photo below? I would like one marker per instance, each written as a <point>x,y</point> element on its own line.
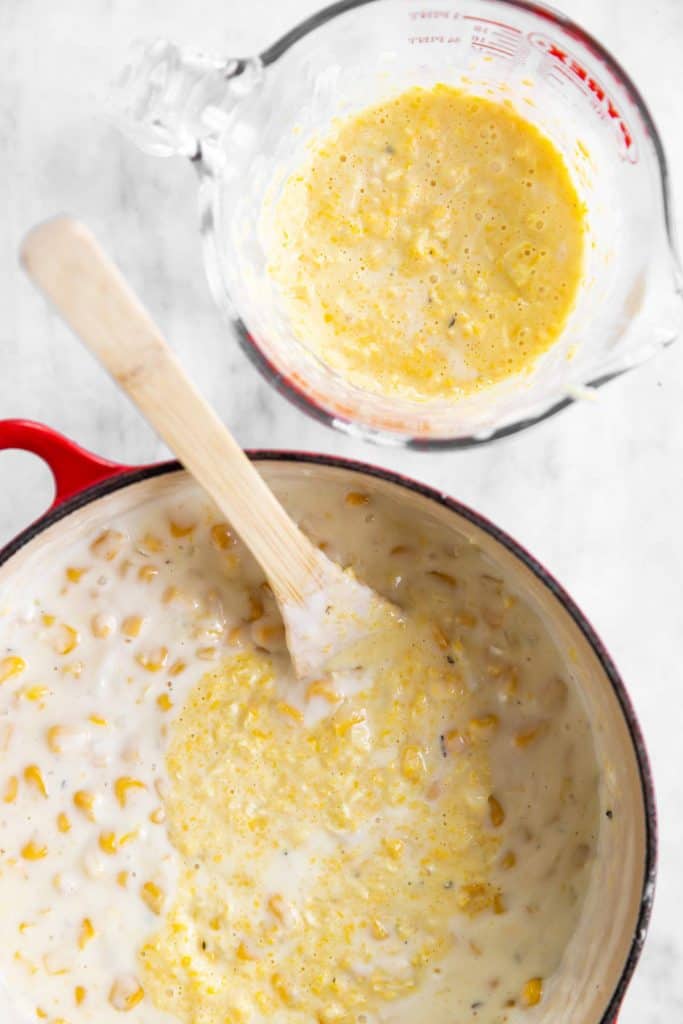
<point>65,261</point>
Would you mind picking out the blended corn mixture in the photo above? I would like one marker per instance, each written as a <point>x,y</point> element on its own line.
<point>430,246</point>
<point>189,834</point>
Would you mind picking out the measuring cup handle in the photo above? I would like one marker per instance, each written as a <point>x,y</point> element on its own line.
<point>73,468</point>
<point>170,100</point>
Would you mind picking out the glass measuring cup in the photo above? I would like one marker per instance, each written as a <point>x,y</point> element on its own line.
<point>246,124</point>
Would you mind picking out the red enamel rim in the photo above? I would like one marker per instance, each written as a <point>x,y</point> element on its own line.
<point>81,478</point>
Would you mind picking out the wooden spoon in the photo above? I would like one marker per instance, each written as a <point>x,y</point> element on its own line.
<point>325,609</point>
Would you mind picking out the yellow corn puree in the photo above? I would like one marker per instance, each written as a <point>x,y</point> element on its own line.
<point>190,835</point>
<point>430,246</point>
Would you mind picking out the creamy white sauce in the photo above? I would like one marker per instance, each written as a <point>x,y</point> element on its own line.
<point>547,780</point>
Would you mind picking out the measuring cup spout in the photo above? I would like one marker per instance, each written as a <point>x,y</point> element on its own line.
<point>175,101</point>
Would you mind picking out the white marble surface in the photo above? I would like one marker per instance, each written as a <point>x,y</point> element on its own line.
<point>595,493</point>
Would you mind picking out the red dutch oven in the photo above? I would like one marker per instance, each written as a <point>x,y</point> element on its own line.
<point>602,955</point>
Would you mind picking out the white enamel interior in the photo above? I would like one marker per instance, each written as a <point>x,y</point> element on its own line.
<point>595,960</point>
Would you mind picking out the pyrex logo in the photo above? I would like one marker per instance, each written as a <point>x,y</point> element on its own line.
<point>600,99</point>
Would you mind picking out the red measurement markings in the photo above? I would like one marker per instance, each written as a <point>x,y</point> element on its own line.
<point>490,21</point>
<point>572,70</point>
<point>422,15</point>
<point>493,36</point>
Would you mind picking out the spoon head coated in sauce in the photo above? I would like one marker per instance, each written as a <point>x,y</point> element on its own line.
<point>326,627</point>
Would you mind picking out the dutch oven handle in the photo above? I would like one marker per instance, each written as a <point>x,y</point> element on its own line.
<point>73,468</point>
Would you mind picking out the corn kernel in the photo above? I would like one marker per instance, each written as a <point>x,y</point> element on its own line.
<point>332,1014</point>
<point>482,727</point>
<point>107,545</point>
<point>122,879</point>
<point>181,529</point>
<point>6,734</point>
<point>164,702</point>
<point>132,625</point>
<point>475,897</point>
<point>532,992</point>
<point>122,787</point>
<point>66,640</point>
<point>289,711</point>
<point>355,499</point>
<point>35,693</point>
<point>85,801</point>
<point>346,725</point>
<point>11,790</point>
<point>98,720</point>
<point>86,933</point>
<point>527,736</point>
<point>79,995</point>
<point>63,823</point>
<point>11,666</point>
<point>319,688</point>
<point>443,577</point>
<point>32,851</point>
<point>147,573</point>
<point>244,953</point>
<point>413,765</point>
<point>126,993</point>
<point>153,896</point>
<point>496,812</point>
<point>55,964</point>
<point>108,843</point>
<point>58,737</point>
<point>206,653</point>
<point>276,905</point>
<point>47,620</point>
<point>454,741</point>
<point>177,667</point>
<point>269,636</point>
<point>282,989</point>
<point>221,536</point>
<point>102,626</point>
<point>153,661</point>
<point>256,608</point>
<point>394,848</point>
<point>34,777</point>
<point>73,668</point>
<point>74,575</point>
<point>508,860</point>
<point>151,544</point>
<point>158,816</point>
<point>377,929</point>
